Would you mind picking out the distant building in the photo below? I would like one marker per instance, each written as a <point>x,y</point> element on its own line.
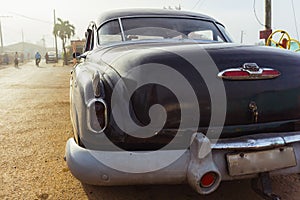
<point>77,46</point>
<point>28,49</point>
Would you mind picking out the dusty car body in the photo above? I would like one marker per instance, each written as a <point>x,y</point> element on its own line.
<point>253,94</point>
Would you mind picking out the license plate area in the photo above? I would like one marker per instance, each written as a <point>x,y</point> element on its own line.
<point>244,163</point>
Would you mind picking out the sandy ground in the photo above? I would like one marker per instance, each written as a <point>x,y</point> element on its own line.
<point>34,128</point>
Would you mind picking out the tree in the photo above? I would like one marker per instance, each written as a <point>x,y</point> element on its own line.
<point>64,30</point>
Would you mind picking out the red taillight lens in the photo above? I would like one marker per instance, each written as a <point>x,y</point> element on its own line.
<point>271,73</point>
<point>235,73</point>
<point>208,179</point>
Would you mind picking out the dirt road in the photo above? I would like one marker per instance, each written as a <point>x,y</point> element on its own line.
<point>34,127</point>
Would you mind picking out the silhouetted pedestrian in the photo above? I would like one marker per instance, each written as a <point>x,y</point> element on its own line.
<point>16,60</point>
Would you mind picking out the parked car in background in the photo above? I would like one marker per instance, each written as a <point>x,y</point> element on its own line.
<point>50,57</point>
<point>4,59</point>
<point>152,72</point>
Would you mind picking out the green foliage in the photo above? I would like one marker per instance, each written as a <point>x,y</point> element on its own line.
<point>64,30</point>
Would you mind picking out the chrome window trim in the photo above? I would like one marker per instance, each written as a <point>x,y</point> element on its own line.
<point>122,30</point>
<point>90,103</point>
<point>225,33</point>
<point>106,21</point>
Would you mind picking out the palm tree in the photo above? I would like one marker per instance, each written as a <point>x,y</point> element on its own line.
<point>64,30</point>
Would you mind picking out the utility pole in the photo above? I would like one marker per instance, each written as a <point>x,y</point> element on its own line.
<point>55,37</point>
<point>268,15</point>
<point>268,21</point>
<point>44,43</point>
<point>1,36</point>
<point>242,36</point>
<point>22,36</point>
<point>22,41</point>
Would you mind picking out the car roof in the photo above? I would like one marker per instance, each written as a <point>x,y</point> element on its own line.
<point>105,16</point>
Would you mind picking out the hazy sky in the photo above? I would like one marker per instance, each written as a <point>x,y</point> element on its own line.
<point>34,18</point>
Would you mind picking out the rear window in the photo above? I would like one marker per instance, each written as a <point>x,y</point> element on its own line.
<point>160,28</point>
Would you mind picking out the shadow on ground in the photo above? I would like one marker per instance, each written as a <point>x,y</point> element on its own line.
<point>233,190</point>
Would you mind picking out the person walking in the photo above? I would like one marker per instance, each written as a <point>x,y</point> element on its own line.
<point>47,57</point>
<point>16,60</point>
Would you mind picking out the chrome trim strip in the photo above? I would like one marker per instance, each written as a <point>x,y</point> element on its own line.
<point>250,143</point>
<point>255,142</point>
<point>122,30</point>
<point>291,139</point>
<point>90,103</point>
<point>157,16</point>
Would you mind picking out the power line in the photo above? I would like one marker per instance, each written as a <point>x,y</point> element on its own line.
<point>31,18</point>
<point>295,19</point>
<point>196,4</point>
<point>254,10</point>
<point>202,3</point>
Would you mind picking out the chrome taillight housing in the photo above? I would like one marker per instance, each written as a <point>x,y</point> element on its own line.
<point>249,71</point>
<point>97,115</point>
<point>96,107</point>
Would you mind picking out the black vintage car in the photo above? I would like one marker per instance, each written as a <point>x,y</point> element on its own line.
<point>164,96</point>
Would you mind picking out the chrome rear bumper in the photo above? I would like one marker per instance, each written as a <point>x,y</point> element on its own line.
<point>259,141</point>
<point>189,168</point>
